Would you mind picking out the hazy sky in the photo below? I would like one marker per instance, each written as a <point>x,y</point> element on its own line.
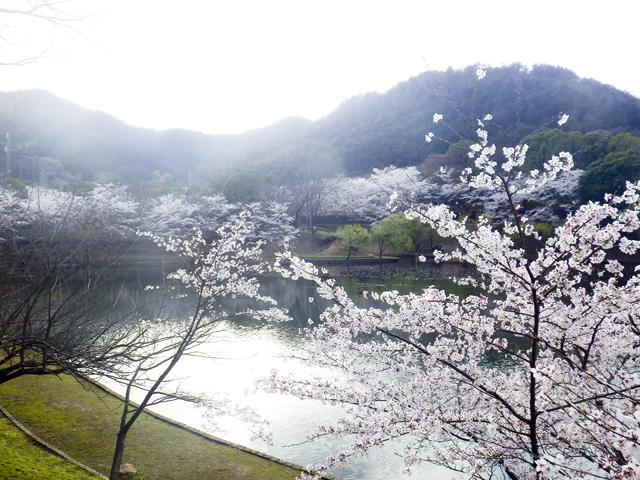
<point>233,65</point>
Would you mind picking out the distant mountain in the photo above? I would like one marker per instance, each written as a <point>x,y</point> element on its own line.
<point>365,131</point>
<point>43,125</point>
<point>375,130</point>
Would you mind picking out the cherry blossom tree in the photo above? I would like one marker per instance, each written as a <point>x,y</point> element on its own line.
<point>350,197</point>
<point>554,200</point>
<point>367,198</point>
<point>535,376</point>
<point>275,224</point>
<point>212,211</point>
<point>111,208</point>
<point>177,216</point>
<point>549,203</point>
<point>223,269</point>
<point>10,202</point>
<point>169,215</point>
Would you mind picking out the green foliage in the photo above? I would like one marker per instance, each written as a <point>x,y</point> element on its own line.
<point>383,235</point>
<point>68,183</point>
<point>410,235</point>
<point>352,236</point>
<point>161,184</point>
<point>585,148</point>
<point>403,234</point>
<point>543,145</point>
<point>245,185</point>
<point>545,230</point>
<point>321,236</point>
<point>419,236</point>
<point>16,186</point>
<point>392,232</point>
<point>624,143</point>
<point>595,145</point>
<point>609,175</point>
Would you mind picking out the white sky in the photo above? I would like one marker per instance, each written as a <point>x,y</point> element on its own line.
<point>233,65</point>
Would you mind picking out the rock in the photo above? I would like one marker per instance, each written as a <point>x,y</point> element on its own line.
<point>127,471</point>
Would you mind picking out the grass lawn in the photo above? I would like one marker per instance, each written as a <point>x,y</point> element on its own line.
<point>21,459</point>
<point>83,424</point>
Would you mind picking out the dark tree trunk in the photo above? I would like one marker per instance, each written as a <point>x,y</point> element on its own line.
<point>117,455</point>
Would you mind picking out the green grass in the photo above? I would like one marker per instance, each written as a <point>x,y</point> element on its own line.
<point>83,422</point>
<point>20,459</point>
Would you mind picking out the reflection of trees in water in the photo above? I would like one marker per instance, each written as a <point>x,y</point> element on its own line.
<point>153,296</point>
<point>138,293</point>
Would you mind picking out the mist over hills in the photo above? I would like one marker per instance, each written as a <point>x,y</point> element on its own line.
<point>365,131</point>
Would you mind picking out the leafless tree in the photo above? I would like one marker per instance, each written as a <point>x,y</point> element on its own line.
<point>60,287</point>
<point>17,15</point>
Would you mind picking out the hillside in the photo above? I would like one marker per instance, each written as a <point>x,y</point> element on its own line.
<point>43,125</point>
<point>375,130</point>
<point>366,131</point>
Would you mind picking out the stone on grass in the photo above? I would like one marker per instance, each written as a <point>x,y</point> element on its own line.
<point>127,471</point>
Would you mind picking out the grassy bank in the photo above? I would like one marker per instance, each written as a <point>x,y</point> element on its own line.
<point>21,459</point>
<point>82,421</point>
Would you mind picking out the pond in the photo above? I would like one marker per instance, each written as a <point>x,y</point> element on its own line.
<point>246,351</point>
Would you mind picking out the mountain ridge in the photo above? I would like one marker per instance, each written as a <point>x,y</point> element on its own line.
<point>366,131</point>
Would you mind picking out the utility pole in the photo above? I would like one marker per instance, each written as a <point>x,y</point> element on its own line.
<point>8,150</point>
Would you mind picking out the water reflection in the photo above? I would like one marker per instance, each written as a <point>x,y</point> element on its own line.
<point>246,351</point>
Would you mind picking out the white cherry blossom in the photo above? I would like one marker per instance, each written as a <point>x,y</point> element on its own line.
<point>535,376</point>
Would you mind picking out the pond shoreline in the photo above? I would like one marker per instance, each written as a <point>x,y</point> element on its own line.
<point>69,417</point>
<point>407,267</point>
<point>206,435</point>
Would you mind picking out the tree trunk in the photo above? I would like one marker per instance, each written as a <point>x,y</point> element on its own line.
<point>117,455</point>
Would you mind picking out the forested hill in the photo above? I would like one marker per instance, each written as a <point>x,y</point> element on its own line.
<point>366,131</point>
<point>374,130</point>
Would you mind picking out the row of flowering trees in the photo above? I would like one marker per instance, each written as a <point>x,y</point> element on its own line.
<point>111,210</point>
<point>366,199</point>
